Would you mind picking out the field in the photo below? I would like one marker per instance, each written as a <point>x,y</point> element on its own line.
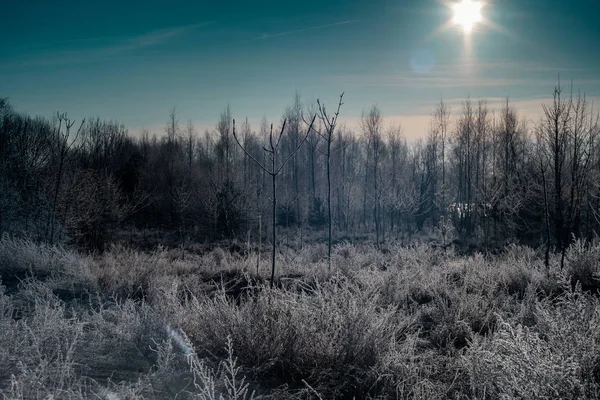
<point>407,323</point>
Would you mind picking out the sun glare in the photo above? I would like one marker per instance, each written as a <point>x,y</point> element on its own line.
<point>467,13</point>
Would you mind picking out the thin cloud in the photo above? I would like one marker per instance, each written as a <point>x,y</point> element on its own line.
<point>313,28</point>
<point>447,81</point>
<point>117,48</point>
<point>491,65</point>
<point>474,74</point>
<point>156,37</point>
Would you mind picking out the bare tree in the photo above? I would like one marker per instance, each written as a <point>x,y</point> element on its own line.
<point>224,149</point>
<point>543,167</point>
<point>329,123</point>
<point>24,157</point>
<point>465,158</point>
<point>566,136</point>
<point>347,162</point>
<point>169,160</point>
<point>246,137</point>
<point>294,119</point>
<point>440,124</point>
<point>61,147</point>
<point>273,170</point>
<point>190,147</point>
<point>371,124</point>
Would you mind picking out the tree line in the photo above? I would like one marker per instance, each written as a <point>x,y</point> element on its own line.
<point>488,176</point>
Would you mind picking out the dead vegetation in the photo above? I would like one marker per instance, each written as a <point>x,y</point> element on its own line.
<point>407,323</point>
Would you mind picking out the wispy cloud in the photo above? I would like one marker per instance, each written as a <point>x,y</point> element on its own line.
<point>312,28</point>
<point>115,48</point>
<point>150,39</point>
<point>480,74</point>
<point>448,82</point>
<point>486,65</point>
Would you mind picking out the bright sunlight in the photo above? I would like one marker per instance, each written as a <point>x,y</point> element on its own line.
<point>467,13</point>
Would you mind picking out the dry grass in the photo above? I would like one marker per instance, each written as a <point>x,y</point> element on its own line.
<point>416,323</point>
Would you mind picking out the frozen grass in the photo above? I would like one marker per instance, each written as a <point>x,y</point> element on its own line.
<point>410,323</point>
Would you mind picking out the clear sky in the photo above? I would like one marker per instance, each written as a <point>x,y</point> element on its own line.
<point>132,61</point>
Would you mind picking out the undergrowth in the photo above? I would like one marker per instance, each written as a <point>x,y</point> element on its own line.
<point>408,323</point>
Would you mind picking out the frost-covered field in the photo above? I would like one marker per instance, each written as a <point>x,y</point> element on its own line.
<point>402,323</point>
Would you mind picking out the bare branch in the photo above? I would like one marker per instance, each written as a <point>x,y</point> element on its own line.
<point>298,147</point>
<point>248,154</point>
<point>280,133</point>
<point>330,122</point>
<point>271,139</point>
<point>77,134</point>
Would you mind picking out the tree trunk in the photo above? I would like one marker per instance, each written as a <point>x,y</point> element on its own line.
<point>329,201</point>
<point>274,233</point>
<point>547,223</point>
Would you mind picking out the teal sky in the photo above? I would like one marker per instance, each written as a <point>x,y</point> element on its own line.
<point>133,61</point>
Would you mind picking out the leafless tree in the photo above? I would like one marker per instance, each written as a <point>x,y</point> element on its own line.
<point>224,149</point>
<point>294,118</point>
<point>566,136</point>
<point>273,170</point>
<point>440,125</point>
<point>61,145</point>
<point>190,147</point>
<point>398,159</point>
<point>330,123</point>
<point>170,159</point>
<point>371,124</point>
<point>543,167</point>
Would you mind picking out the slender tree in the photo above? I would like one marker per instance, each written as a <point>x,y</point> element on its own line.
<point>61,147</point>
<point>273,170</point>
<point>371,124</point>
<point>329,123</point>
<point>543,166</point>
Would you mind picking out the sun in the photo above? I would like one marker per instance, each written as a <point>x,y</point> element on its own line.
<point>467,13</point>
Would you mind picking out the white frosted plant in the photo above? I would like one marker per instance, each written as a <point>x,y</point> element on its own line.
<point>226,383</point>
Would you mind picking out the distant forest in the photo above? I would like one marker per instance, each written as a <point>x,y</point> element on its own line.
<point>480,176</point>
